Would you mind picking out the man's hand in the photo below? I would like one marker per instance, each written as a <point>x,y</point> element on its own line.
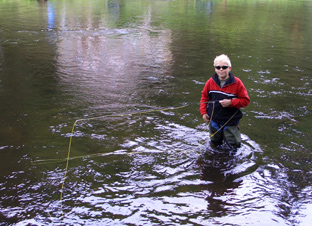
<point>225,103</point>
<point>206,118</point>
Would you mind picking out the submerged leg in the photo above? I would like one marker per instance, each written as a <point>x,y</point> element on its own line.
<point>232,136</point>
<point>217,138</point>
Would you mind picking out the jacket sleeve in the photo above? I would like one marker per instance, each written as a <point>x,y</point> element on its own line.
<point>204,99</point>
<point>242,99</point>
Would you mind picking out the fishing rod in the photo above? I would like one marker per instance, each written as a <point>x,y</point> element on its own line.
<point>41,161</point>
<point>210,102</point>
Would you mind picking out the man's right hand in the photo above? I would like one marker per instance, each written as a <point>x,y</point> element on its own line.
<point>206,118</point>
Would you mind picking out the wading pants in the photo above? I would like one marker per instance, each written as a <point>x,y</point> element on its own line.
<point>230,134</point>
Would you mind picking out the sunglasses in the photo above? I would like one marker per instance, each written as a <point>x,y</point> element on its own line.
<point>223,67</point>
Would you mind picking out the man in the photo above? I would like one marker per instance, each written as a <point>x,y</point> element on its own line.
<point>222,97</point>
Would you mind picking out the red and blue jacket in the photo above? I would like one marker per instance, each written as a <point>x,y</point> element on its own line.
<point>212,93</point>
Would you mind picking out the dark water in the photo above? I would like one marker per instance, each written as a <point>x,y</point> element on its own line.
<point>61,61</point>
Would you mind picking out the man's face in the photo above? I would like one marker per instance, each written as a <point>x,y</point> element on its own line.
<point>223,73</point>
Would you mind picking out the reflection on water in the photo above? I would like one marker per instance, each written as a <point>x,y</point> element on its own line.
<point>51,15</point>
<point>154,178</point>
<point>66,60</point>
<point>116,68</point>
<point>129,60</point>
<point>229,173</point>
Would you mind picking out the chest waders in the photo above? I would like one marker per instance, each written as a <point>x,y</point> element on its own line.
<point>230,134</point>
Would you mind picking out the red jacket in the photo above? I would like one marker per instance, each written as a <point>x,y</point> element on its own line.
<point>233,89</point>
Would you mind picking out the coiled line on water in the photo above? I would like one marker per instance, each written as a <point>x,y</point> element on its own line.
<point>98,117</point>
<point>129,114</point>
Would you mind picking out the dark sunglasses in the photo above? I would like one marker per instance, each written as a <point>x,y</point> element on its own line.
<point>223,67</point>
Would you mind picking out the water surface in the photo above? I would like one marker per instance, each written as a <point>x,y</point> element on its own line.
<point>114,65</point>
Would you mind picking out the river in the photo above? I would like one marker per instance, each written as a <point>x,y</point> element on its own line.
<point>100,120</point>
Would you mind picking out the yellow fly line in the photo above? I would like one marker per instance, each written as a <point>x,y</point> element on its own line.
<point>98,117</point>
<point>129,114</point>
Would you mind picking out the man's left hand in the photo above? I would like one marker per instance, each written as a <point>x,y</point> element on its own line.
<point>225,103</point>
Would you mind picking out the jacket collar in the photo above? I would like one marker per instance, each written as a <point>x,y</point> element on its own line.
<point>229,81</point>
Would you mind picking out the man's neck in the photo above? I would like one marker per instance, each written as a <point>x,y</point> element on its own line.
<point>223,78</point>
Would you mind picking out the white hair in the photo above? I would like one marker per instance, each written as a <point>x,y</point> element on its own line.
<point>223,58</point>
